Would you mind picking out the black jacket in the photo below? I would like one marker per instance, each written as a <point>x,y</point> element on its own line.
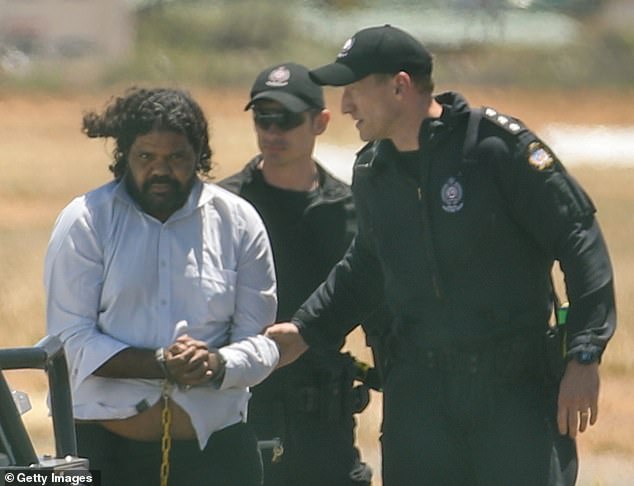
<point>462,249</point>
<point>307,242</point>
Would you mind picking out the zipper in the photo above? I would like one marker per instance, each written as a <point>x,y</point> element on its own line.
<point>429,252</point>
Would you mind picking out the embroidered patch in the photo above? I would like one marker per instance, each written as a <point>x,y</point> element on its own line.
<point>278,77</point>
<point>345,49</point>
<point>539,157</point>
<point>451,195</point>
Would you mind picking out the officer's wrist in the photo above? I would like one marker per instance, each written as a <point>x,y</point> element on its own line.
<point>586,356</point>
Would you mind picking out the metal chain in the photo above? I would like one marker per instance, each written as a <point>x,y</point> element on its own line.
<point>166,439</point>
<point>278,452</point>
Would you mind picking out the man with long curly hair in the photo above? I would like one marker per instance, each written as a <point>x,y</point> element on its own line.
<point>159,284</point>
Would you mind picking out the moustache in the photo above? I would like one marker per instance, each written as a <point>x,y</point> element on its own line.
<point>161,180</point>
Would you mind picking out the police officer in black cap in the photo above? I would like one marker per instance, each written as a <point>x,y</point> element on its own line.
<point>310,218</point>
<point>462,214</point>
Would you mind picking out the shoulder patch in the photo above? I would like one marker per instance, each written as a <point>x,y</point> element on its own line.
<point>506,122</point>
<point>539,156</point>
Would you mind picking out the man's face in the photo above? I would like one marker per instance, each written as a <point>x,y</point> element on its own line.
<point>161,171</point>
<point>370,102</point>
<point>279,139</point>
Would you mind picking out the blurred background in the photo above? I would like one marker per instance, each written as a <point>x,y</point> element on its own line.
<point>64,43</point>
<point>565,67</point>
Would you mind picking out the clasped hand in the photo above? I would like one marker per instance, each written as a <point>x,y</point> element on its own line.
<point>190,362</point>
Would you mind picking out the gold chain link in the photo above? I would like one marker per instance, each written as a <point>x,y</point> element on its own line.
<point>278,452</point>
<point>166,439</point>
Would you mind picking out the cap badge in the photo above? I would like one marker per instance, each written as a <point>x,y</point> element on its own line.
<point>451,195</point>
<point>346,48</point>
<point>539,157</point>
<point>278,77</point>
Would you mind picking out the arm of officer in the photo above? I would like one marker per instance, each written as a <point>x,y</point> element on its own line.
<point>554,209</point>
<point>289,341</point>
<point>352,291</point>
<point>591,323</point>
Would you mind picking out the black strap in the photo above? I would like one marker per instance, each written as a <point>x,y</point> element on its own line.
<point>471,136</point>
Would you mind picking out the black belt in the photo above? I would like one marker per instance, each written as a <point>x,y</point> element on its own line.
<point>456,361</point>
<point>510,359</point>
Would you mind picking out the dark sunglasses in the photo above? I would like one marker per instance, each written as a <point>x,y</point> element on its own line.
<point>284,120</point>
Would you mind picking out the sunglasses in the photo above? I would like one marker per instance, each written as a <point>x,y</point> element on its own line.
<point>284,120</point>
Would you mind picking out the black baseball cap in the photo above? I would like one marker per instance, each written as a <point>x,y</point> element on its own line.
<point>290,85</point>
<point>374,50</point>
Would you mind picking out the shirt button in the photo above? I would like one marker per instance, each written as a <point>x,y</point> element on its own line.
<point>163,301</point>
<point>163,263</point>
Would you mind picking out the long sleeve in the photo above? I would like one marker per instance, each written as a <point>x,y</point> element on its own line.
<point>589,282</point>
<point>251,356</point>
<point>553,208</point>
<point>73,277</point>
<point>352,291</point>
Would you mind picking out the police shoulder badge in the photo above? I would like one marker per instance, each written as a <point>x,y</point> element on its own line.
<point>539,156</point>
<point>506,122</point>
<point>451,195</point>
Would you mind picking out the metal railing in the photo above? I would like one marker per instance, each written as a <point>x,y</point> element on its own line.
<point>47,355</point>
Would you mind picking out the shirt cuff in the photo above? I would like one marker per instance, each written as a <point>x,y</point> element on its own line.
<point>248,362</point>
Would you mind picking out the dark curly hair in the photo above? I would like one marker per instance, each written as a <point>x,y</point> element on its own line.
<point>140,111</point>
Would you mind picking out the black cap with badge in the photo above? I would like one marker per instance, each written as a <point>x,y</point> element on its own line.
<point>374,50</point>
<point>290,85</point>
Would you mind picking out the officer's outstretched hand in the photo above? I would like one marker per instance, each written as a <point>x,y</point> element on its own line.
<point>578,404</point>
<point>289,341</point>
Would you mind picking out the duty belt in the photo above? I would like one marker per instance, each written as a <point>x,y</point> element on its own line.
<point>509,360</point>
<point>455,361</point>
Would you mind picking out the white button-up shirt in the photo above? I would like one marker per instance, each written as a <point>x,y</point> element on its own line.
<point>116,277</point>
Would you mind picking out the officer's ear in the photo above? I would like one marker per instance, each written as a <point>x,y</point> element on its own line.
<point>320,121</point>
<point>401,82</point>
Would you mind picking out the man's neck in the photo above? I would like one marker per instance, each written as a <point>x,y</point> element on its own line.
<point>302,176</point>
<point>406,139</point>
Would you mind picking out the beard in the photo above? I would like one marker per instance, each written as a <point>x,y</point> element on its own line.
<point>160,204</point>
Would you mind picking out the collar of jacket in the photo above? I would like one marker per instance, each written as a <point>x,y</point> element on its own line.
<point>375,155</point>
<point>330,188</point>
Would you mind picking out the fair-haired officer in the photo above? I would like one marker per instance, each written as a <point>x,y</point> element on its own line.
<point>462,214</point>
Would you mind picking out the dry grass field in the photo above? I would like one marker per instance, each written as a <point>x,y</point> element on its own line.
<point>45,161</point>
